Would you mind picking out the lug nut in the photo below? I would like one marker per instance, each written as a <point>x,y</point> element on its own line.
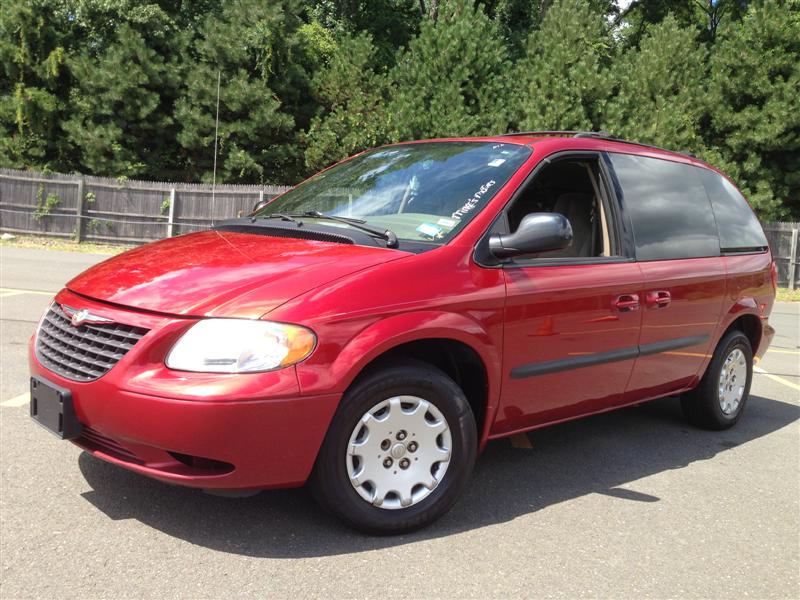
<point>404,463</point>
<point>387,462</point>
<point>385,444</point>
<point>412,447</point>
<point>401,435</point>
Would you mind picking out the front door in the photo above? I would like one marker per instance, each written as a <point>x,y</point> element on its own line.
<point>570,343</point>
<point>573,316</point>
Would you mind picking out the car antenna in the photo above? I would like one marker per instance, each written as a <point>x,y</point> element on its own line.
<point>216,136</point>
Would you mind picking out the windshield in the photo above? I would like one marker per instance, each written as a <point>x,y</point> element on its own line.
<point>421,192</point>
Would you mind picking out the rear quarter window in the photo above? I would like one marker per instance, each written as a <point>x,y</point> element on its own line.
<point>669,209</point>
<point>739,229</point>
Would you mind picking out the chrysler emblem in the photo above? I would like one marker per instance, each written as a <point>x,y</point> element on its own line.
<point>79,317</point>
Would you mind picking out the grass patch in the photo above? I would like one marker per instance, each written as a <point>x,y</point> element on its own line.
<point>47,243</point>
<point>787,295</point>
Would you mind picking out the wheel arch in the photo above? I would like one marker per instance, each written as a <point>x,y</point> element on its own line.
<point>456,359</point>
<point>453,343</point>
<point>750,325</point>
<point>744,315</point>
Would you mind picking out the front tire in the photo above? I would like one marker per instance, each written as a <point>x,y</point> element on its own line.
<point>399,451</point>
<point>718,402</point>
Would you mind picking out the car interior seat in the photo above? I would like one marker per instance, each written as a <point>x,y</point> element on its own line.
<point>578,207</point>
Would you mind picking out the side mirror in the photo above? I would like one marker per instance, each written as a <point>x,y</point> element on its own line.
<point>538,232</point>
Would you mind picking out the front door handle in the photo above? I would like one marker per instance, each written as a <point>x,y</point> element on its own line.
<point>658,299</point>
<point>627,303</point>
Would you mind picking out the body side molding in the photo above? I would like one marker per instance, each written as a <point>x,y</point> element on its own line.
<point>599,358</point>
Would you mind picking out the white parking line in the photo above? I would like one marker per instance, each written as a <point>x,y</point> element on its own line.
<point>20,400</point>
<point>4,292</point>
<point>785,382</point>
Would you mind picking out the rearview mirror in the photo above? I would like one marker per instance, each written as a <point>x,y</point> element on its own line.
<point>538,232</point>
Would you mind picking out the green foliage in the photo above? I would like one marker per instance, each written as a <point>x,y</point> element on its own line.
<point>263,94</point>
<point>562,78</point>
<point>318,43</point>
<point>125,93</point>
<point>389,23</point>
<point>128,88</point>
<point>93,225</point>
<point>659,89</point>
<point>453,79</point>
<point>352,99</point>
<point>32,72</point>
<point>44,206</point>
<point>704,17</point>
<point>165,204</point>
<point>754,133</point>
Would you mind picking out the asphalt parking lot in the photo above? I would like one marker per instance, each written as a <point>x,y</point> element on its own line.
<point>628,504</point>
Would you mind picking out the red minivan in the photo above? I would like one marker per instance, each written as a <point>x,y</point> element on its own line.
<point>371,329</point>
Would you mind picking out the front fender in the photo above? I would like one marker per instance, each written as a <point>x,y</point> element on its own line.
<point>388,333</point>
<point>391,332</point>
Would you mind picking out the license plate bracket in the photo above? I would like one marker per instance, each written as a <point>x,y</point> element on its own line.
<point>52,408</point>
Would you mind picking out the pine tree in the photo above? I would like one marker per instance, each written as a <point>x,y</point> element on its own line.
<point>264,97</point>
<point>561,82</point>
<point>660,89</point>
<point>352,98</point>
<point>121,108</point>
<point>755,110</point>
<point>452,80</point>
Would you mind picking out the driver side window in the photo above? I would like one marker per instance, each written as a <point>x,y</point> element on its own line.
<point>573,188</point>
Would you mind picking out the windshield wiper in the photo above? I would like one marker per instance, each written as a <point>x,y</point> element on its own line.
<point>386,234</point>
<point>281,216</point>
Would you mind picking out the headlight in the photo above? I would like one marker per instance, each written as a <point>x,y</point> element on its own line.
<point>240,346</point>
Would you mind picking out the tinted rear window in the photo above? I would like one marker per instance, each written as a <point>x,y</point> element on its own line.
<point>669,209</point>
<point>739,229</point>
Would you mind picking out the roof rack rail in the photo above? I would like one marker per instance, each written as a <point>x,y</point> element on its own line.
<point>598,135</point>
<point>513,133</point>
<point>604,135</point>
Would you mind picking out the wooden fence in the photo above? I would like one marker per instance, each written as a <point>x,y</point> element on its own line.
<point>112,210</point>
<point>783,242</point>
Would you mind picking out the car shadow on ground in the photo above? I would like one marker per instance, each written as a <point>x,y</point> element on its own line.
<point>592,455</point>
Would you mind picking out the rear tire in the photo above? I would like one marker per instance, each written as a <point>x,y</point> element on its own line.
<point>718,402</point>
<point>413,418</point>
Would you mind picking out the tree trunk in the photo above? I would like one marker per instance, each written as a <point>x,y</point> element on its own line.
<point>429,9</point>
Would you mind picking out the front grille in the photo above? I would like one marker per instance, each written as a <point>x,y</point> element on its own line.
<point>86,352</point>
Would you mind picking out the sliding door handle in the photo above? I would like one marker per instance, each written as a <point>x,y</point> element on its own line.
<point>658,299</point>
<point>627,303</point>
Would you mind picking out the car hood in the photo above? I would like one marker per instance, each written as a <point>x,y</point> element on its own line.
<point>224,274</point>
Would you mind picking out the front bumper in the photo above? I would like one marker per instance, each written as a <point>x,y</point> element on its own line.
<point>194,429</point>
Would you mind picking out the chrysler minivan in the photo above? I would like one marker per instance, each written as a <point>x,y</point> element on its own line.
<point>370,330</point>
